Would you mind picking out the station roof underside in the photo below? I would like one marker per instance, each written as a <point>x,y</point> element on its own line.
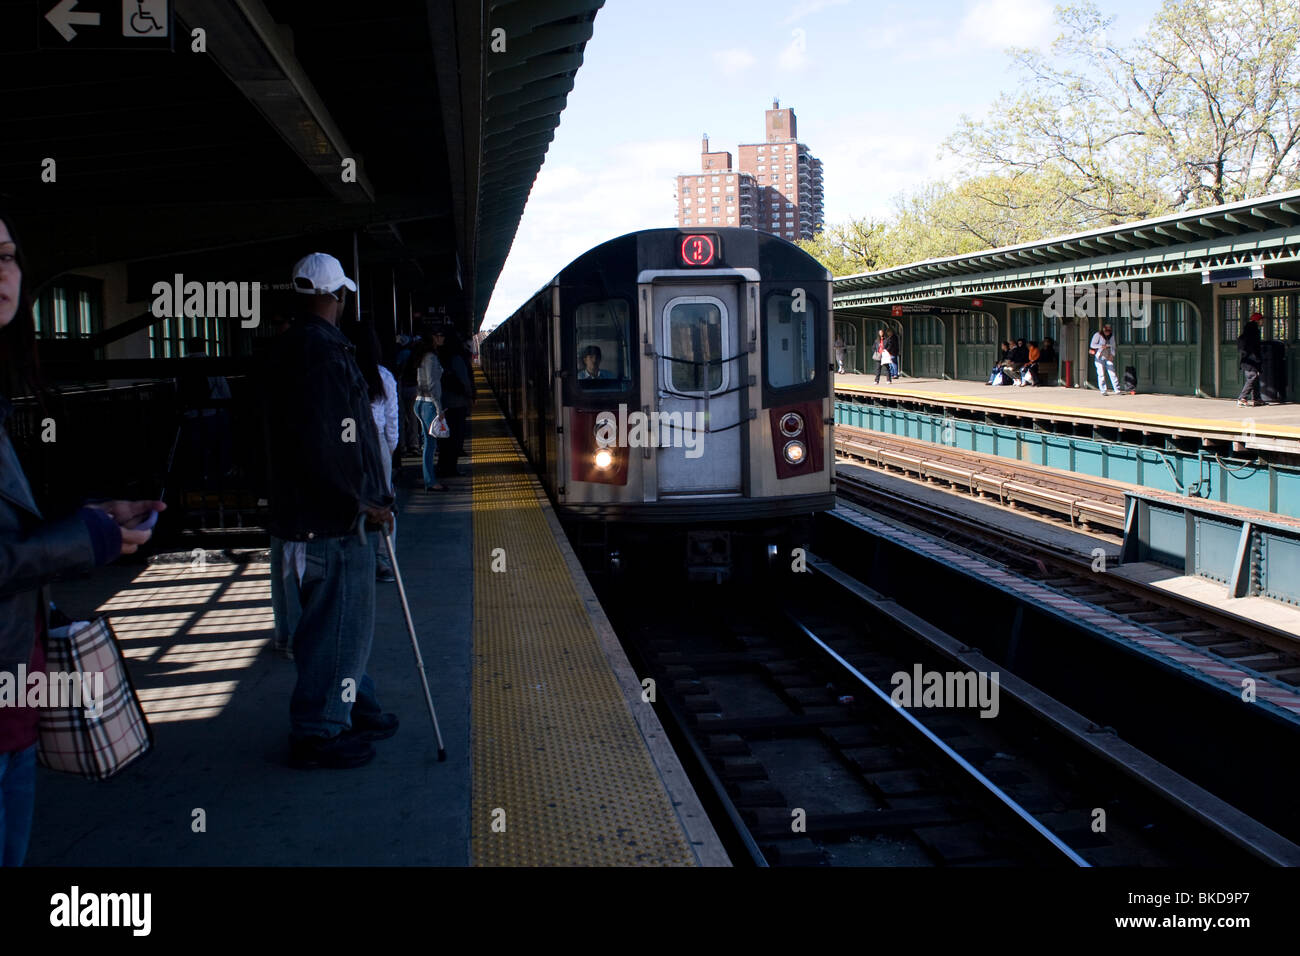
<point>163,154</point>
<point>1263,231</point>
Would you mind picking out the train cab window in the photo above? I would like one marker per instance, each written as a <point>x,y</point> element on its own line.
<point>601,332</point>
<point>789,341</point>
<point>695,334</point>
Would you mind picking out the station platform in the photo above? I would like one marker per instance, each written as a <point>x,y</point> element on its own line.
<point>1270,427</point>
<point>552,758</point>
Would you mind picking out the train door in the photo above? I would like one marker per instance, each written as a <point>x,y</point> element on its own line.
<point>698,381</point>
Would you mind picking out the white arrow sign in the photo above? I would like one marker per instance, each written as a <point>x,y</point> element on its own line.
<point>62,17</point>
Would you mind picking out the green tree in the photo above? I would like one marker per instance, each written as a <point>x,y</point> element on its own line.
<point>1203,109</point>
<point>847,248</point>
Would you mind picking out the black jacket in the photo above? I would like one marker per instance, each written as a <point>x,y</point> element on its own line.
<point>33,552</point>
<point>323,464</point>
<point>1019,354</point>
<point>1250,349</point>
<point>891,343</point>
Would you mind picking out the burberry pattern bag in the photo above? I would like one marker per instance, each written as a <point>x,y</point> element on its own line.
<point>99,731</point>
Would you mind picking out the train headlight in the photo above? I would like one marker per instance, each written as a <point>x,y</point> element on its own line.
<point>792,426</point>
<point>604,458</point>
<point>795,452</point>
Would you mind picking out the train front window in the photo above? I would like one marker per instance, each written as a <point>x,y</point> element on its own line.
<point>695,336</point>
<point>790,340</point>
<point>601,331</point>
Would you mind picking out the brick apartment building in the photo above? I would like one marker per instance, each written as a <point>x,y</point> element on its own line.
<point>777,188</point>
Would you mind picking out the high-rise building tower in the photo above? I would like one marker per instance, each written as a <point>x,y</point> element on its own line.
<point>778,187</point>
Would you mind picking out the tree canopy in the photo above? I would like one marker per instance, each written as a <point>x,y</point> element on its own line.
<point>1203,108</point>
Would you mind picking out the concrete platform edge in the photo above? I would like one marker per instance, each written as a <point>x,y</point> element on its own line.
<point>704,840</point>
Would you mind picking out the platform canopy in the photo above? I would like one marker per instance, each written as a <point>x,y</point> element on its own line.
<point>1182,246</point>
<point>447,108</point>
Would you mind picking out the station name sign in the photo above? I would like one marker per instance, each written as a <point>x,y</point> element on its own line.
<point>897,310</point>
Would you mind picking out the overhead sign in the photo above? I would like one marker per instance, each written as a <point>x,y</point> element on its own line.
<point>699,250</point>
<point>1231,273</point>
<point>107,25</point>
<point>897,310</point>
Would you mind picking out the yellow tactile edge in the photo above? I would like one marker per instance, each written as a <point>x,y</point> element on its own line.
<point>561,775</point>
<point>1229,425</point>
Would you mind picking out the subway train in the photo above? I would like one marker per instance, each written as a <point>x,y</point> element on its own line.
<point>673,389</point>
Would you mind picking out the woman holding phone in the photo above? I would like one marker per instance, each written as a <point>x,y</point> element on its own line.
<point>35,550</point>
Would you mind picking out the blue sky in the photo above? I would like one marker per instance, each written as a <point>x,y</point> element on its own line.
<point>876,88</point>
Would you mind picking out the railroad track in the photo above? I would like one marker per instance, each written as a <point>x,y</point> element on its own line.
<point>1269,652</point>
<point>785,705</point>
<point>1082,502</point>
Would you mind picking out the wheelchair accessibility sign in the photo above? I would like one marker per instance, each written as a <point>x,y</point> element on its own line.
<point>107,25</point>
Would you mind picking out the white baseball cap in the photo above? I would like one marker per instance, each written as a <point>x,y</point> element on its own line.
<point>320,274</point>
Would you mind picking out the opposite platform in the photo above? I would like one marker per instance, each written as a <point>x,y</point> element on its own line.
<point>1272,426</point>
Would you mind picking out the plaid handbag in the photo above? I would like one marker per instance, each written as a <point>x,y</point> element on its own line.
<point>101,736</point>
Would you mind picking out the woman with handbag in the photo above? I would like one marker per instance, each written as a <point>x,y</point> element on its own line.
<point>883,356</point>
<point>34,551</point>
<point>457,396</point>
<point>428,405</point>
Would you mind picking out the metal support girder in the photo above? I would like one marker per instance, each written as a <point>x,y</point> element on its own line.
<point>1239,586</point>
<point>248,46</point>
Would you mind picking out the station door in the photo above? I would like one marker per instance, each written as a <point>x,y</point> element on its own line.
<point>925,359</point>
<point>977,346</point>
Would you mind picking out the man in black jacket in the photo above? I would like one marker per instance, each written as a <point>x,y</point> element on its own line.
<point>326,486</point>
<point>1250,352</point>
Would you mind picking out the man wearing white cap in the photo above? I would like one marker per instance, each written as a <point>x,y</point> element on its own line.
<point>326,485</point>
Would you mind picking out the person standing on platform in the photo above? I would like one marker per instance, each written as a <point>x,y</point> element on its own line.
<point>381,387</point>
<point>35,551</point>
<point>1102,350</point>
<point>404,372</point>
<point>891,343</point>
<point>428,405</point>
<point>839,354</point>
<point>882,357</point>
<point>457,396</point>
<point>326,486</point>
<point>1250,356</point>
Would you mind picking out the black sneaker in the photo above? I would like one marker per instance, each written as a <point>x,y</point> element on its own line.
<point>373,728</point>
<point>330,753</point>
<point>385,576</point>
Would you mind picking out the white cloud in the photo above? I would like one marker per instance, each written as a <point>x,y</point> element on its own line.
<point>732,62</point>
<point>1002,23</point>
<point>809,7</point>
<point>795,56</point>
<point>988,25</point>
<point>574,207</point>
<point>867,165</point>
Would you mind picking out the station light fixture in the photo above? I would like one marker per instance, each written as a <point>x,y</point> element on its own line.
<point>1231,273</point>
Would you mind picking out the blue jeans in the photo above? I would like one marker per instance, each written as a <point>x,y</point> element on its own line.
<point>17,799</point>
<point>1104,366</point>
<point>893,367</point>
<point>427,411</point>
<point>284,596</point>
<point>331,645</point>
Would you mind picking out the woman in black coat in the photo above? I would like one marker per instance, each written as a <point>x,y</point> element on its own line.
<point>34,551</point>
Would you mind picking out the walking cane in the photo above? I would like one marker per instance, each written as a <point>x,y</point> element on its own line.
<point>415,643</point>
